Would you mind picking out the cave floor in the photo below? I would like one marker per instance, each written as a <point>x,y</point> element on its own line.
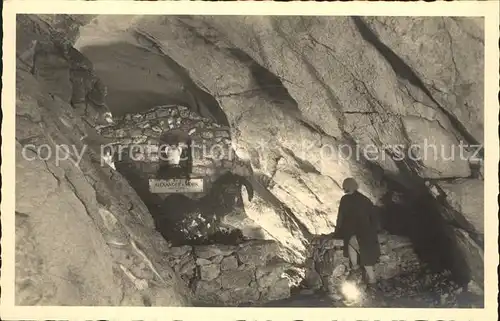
<point>411,290</point>
<point>417,287</point>
<point>423,300</point>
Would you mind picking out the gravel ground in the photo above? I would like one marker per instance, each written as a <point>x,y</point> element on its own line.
<point>413,289</point>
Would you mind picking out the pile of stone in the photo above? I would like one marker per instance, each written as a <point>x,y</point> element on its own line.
<point>225,275</point>
<point>211,142</point>
<point>148,126</point>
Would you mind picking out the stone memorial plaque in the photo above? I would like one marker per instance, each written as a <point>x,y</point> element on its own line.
<point>181,185</point>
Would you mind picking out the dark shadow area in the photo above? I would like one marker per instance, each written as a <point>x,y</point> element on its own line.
<point>416,214</point>
<point>123,102</point>
<point>223,198</point>
<point>269,84</point>
<point>411,210</point>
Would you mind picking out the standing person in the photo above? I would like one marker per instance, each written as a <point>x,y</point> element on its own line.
<point>358,227</point>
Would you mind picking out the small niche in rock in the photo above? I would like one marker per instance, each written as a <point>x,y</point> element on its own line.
<point>183,220</point>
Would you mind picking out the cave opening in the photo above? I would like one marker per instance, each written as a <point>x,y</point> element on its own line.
<point>415,213</point>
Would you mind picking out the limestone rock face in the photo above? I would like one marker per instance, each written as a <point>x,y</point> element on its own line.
<point>83,236</point>
<point>450,62</point>
<point>302,102</point>
<point>305,96</point>
<point>467,197</point>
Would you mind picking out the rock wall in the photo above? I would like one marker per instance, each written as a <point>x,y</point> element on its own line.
<point>253,272</point>
<point>300,95</point>
<point>299,91</point>
<point>83,236</point>
<point>450,63</point>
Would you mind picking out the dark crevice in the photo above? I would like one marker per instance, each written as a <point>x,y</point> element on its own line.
<point>269,83</point>
<point>301,181</point>
<point>78,196</point>
<point>302,164</point>
<point>247,93</point>
<point>428,221</point>
<point>23,215</point>
<point>405,72</point>
<point>361,112</point>
<point>53,174</point>
<point>315,128</point>
<point>457,73</point>
<point>417,215</point>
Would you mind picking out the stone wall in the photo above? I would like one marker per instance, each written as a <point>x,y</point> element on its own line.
<point>227,275</point>
<point>212,150</point>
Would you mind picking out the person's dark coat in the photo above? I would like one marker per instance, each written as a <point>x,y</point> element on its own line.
<point>357,217</point>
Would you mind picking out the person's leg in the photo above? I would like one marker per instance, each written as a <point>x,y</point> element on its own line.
<point>356,273</point>
<point>353,249</point>
<point>370,275</point>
